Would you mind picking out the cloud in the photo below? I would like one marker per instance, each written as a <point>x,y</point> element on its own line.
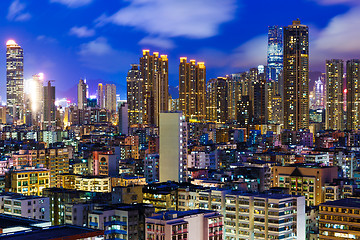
<point>174,18</point>
<point>339,39</point>
<point>157,42</point>
<point>334,2</point>
<point>17,12</point>
<point>251,53</point>
<point>99,54</point>
<point>46,39</point>
<point>73,3</point>
<point>82,32</point>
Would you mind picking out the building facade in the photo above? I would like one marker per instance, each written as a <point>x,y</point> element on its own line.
<point>134,95</point>
<point>296,76</point>
<point>15,80</point>
<point>155,87</point>
<point>353,94</point>
<point>192,82</point>
<point>335,117</point>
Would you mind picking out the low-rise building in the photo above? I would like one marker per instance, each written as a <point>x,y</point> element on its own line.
<point>191,225</point>
<point>340,219</point>
<point>305,180</point>
<point>121,221</point>
<point>25,206</point>
<point>29,181</point>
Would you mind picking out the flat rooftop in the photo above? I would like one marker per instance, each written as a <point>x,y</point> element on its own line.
<point>346,202</point>
<point>55,232</point>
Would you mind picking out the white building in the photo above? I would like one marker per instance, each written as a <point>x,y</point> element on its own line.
<point>173,147</point>
<point>198,159</point>
<point>25,206</point>
<point>318,158</point>
<point>191,225</point>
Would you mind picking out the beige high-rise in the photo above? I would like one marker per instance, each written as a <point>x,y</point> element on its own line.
<point>335,118</point>
<point>192,93</point>
<point>155,87</point>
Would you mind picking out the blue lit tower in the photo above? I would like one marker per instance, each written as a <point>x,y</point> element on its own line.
<point>275,53</point>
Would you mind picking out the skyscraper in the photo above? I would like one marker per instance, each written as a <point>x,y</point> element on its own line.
<point>110,97</point>
<point>81,94</point>
<point>173,147</point>
<point>15,79</point>
<point>216,97</point>
<point>134,95</point>
<point>49,105</point>
<point>296,76</point>
<point>154,71</point>
<point>100,96</point>
<point>334,95</point>
<point>275,53</point>
<point>192,82</point>
<point>353,94</point>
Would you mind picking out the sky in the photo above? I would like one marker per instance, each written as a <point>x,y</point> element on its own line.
<point>99,39</point>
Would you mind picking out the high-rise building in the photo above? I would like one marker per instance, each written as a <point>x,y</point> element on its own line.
<point>100,96</point>
<point>245,113</point>
<point>216,97</point>
<point>110,97</point>
<point>134,95</point>
<point>296,76</point>
<point>353,94</point>
<point>154,71</point>
<point>274,53</point>
<point>260,99</point>
<point>173,147</point>
<point>15,79</point>
<point>192,82</point>
<point>334,95</point>
<point>49,105</point>
<point>82,94</point>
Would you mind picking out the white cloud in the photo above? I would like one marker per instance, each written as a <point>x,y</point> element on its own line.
<point>98,47</point>
<point>17,12</point>
<point>73,3</point>
<point>333,2</point>
<point>339,39</point>
<point>174,18</point>
<point>251,53</point>
<point>157,42</point>
<point>99,54</point>
<point>82,32</point>
<point>46,39</point>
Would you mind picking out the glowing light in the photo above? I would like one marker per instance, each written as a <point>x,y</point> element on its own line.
<point>345,90</point>
<point>10,42</point>
<point>41,76</point>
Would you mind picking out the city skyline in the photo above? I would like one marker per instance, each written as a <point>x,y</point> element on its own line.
<point>61,53</point>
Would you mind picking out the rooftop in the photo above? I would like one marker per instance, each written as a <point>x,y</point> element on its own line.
<point>56,232</point>
<point>347,202</point>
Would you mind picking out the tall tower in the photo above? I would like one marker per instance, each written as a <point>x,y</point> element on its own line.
<point>100,96</point>
<point>81,94</point>
<point>134,95</point>
<point>192,82</point>
<point>296,76</point>
<point>173,147</point>
<point>275,53</point>
<point>110,97</point>
<point>216,96</point>
<point>353,94</point>
<point>154,71</point>
<point>15,79</point>
<point>49,105</point>
<point>334,95</point>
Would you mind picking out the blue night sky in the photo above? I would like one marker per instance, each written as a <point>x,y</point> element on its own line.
<point>99,39</point>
